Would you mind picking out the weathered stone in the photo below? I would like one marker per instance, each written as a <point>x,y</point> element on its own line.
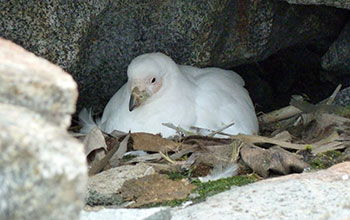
<point>337,58</point>
<point>320,195</point>
<point>343,97</point>
<point>162,213</point>
<point>43,170</point>
<point>103,187</point>
<point>335,3</point>
<point>33,82</point>
<point>51,29</point>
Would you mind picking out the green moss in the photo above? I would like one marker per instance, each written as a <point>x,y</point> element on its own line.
<point>308,147</point>
<point>203,190</point>
<point>217,186</point>
<point>327,159</point>
<point>345,112</point>
<point>177,175</point>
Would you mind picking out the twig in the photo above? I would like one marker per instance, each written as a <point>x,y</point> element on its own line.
<point>167,158</point>
<point>220,130</point>
<point>290,111</point>
<point>253,139</point>
<point>334,94</point>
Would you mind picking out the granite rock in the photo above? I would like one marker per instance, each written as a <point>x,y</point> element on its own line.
<point>337,57</point>
<point>33,82</point>
<point>43,170</point>
<point>319,195</point>
<point>335,3</point>
<point>51,29</point>
<point>103,187</point>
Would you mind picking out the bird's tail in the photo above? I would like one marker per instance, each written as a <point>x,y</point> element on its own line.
<point>86,120</point>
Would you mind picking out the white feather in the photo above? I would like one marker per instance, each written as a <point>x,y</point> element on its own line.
<point>86,120</point>
<point>220,172</point>
<point>189,96</point>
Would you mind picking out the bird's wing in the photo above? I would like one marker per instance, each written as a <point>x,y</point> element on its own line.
<point>197,73</point>
<point>221,99</point>
<point>114,110</point>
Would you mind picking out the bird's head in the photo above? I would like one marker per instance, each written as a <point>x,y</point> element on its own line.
<point>146,75</point>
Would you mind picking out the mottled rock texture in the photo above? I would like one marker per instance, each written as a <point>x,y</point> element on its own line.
<point>51,29</point>
<point>335,3</point>
<point>32,82</point>
<point>42,168</point>
<point>337,58</point>
<point>319,195</point>
<point>103,187</point>
<point>43,171</point>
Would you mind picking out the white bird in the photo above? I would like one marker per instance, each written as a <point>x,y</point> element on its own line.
<point>160,91</point>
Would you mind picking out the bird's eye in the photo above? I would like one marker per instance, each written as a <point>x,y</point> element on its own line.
<point>153,80</point>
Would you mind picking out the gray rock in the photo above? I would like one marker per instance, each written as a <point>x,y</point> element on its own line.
<point>50,29</point>
<point>343,98</point>
<point>337,57</point>
<point>320,195</point>
<point>43,170</point>
<point>103,187</point>
<point>33,82</point>
<point>129,214</point>
<point>335,3</point>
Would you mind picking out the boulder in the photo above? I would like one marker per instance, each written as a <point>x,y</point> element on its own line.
<point>335,3</point>
<point>36,84</point>
<point>43,171</point>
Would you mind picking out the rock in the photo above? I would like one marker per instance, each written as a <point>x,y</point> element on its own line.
<point>335,3</point>
<point>319,195</point>
<point>103,187</point>
<point>50,29</point>
<point>162,213</point>
<point>343,97</point>
<point>43,169</point>
<point>337,57</point>
<point>33,82</point>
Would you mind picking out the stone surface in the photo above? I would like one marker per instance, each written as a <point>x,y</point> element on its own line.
<point>343,97</point>
<point>129,214</point>
<point>43,170</point>
<point>319,195</point>
<point>337,57</point>
<point>33,82</point>
<point>103,187</point>
<point>50,29</point>
<point>335,3</point>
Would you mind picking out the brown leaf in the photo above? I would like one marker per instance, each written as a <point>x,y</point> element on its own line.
<point>274,160</point>
<point>94,140</point>
<point>151,142</point>
<point>154,188</point>
<point>97,166</point>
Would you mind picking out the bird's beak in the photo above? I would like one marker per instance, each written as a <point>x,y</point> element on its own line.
<point>137,98</point>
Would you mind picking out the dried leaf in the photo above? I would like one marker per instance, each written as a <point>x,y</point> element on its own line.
<point>123,146</point>
<point>154,188</point>
<point>94,140</point>
<point>99,165</point>
<point>151,142</point>
<point>274,160</point>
